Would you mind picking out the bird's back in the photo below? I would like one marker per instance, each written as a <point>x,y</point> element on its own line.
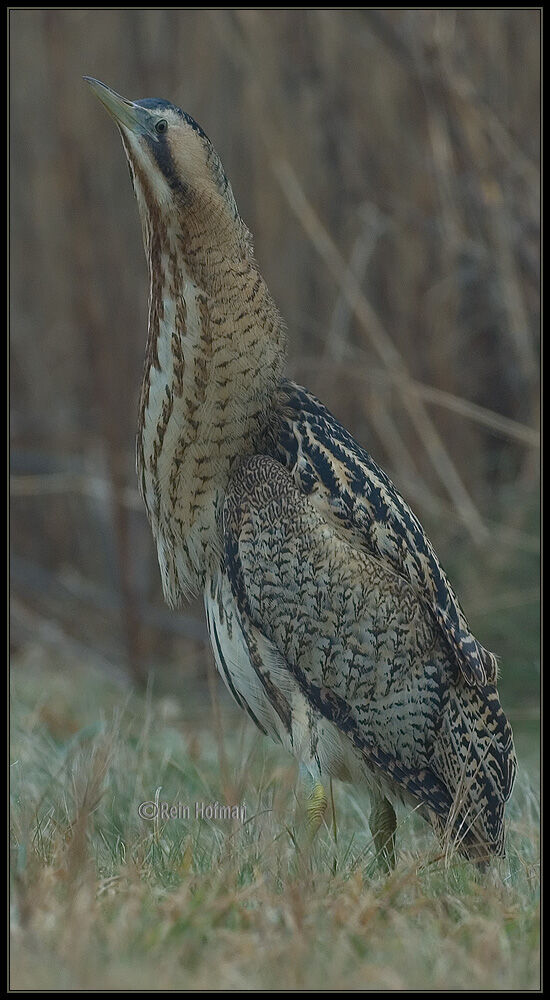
<point>361,502</point>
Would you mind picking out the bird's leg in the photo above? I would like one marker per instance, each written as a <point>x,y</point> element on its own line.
<point>383,823</point>
<point>315,808</point>
<point>316,802</point>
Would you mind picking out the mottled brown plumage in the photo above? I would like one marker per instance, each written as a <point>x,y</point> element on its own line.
<point>331,620</point>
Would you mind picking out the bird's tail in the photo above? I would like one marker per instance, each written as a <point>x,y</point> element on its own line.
<point>474,757</point>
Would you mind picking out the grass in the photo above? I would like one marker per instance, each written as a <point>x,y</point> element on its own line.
<point>105,900</point>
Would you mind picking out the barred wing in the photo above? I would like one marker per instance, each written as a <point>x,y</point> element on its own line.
<point>351,491</point>
<point>352,636</point>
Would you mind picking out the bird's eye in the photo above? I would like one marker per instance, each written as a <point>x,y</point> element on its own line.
<point>161,125</point>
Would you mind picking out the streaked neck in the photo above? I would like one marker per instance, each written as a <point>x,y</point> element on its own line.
<point>215,354</point>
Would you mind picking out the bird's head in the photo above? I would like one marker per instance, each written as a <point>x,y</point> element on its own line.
<point>173,166</point>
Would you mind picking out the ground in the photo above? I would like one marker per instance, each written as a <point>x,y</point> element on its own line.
<point>103,899</point>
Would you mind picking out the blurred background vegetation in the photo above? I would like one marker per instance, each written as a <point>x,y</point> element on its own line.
<point>387,163</point>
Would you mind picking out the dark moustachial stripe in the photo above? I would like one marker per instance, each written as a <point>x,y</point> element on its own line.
<point>160,147</point>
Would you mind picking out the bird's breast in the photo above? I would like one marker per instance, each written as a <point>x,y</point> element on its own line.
<point>197,420</point>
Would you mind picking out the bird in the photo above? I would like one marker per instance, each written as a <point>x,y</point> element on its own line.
<point>331,620</point>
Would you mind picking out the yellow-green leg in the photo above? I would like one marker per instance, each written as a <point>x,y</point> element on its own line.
<point>383,823</point>
<point>316,807</point>
<point>311,804</point>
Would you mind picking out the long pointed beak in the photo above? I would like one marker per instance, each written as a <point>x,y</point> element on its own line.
<point>132,116</point>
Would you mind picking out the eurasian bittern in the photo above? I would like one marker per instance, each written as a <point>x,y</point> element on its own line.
<point>332,622</point>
